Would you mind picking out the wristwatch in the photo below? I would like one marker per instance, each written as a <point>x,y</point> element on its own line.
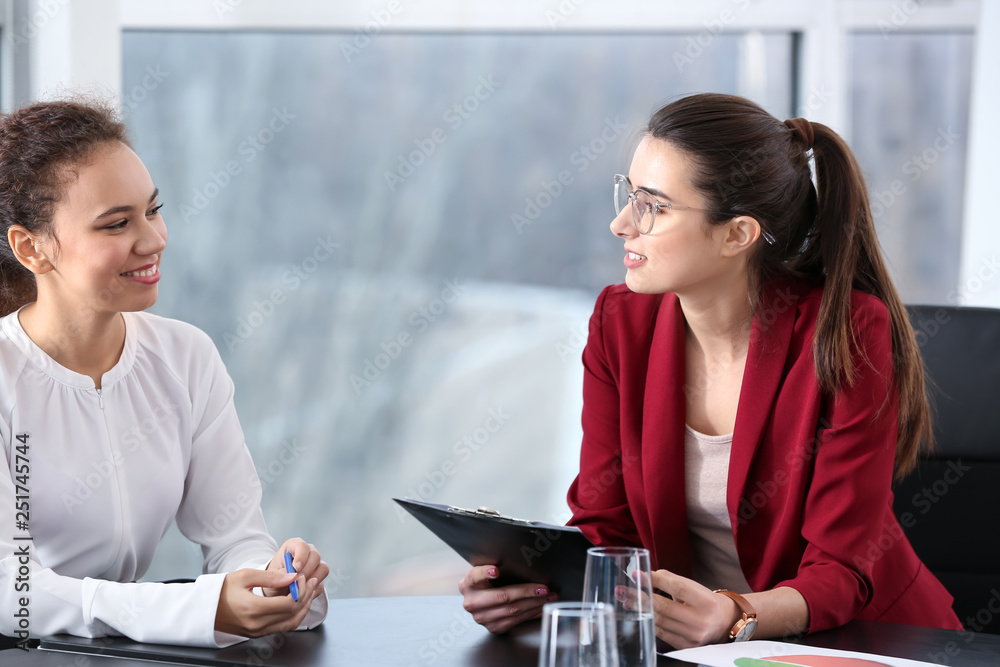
<point>744,627</point>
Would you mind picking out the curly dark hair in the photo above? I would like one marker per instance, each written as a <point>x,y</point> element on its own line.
<point>41,147</point>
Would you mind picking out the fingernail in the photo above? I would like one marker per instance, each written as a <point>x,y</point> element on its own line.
<point>491,573</point>
<point>541,591</point>
<point>552,598</point>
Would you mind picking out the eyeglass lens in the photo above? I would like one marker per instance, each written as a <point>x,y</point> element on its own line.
<point>643,211</point>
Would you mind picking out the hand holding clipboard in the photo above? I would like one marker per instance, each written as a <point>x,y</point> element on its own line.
<point>524,551</point>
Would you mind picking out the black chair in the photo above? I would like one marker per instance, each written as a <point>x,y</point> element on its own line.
<point>949,505</point>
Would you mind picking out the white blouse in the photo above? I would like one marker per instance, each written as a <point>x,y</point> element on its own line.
<point>97,476</point>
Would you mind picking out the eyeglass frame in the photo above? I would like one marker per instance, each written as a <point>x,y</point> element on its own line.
<point>658,205</point>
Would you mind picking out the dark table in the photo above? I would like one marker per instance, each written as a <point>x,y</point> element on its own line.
<point>425,631</point>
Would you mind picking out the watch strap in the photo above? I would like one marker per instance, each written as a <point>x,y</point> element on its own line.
<point>749,613</point>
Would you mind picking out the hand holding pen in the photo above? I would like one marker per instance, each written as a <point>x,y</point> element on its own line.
<point>241,612</point>
<point>298,556</point>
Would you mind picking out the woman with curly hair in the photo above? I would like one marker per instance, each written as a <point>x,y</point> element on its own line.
<point>115,422</point>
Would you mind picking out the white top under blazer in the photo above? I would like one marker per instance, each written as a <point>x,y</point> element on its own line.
<point>95,477</point>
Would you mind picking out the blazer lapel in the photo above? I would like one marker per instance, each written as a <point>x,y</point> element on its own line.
<point>770,337</point>
<point>663,442</point>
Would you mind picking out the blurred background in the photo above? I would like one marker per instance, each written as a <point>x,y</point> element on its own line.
<point>392,217</point>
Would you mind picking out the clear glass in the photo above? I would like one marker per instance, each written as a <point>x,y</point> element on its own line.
<point>578,634</point>
<point>621,578</point>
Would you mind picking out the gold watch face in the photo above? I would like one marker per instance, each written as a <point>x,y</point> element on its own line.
<point>746,630</point>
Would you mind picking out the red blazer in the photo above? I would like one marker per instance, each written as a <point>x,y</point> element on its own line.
<point>809,477</point>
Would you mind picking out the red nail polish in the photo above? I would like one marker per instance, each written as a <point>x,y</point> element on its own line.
<point>540,592</point>
<point>492,572</point>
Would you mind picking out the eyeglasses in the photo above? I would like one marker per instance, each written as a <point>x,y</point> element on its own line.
<point>645,206</point>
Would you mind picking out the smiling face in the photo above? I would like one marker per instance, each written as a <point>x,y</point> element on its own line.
<point>682,251</point>
<point>107,237</point>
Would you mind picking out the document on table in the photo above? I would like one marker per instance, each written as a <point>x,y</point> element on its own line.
<point>782,654</point>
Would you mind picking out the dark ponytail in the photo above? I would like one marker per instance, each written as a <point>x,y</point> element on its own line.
<point>39,146</point>
<point>747,162</point>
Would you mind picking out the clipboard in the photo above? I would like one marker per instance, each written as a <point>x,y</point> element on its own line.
<point>525,551</point>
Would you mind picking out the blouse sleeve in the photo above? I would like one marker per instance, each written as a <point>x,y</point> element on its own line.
<point>852,477</point>
<point>597,496</point>
<point>220,509</point>
<point>35,601</point>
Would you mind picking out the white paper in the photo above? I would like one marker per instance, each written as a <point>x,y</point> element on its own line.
<point>725,655</point>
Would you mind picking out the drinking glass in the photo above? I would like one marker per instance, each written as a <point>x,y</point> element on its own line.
<point>620,577</point>
<point>578,634</point>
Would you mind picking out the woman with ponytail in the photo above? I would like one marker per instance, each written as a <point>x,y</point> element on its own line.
<point>750,392</point>
<point>115,423</point>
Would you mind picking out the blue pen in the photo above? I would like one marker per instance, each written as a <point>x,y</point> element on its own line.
<point>294,587</point>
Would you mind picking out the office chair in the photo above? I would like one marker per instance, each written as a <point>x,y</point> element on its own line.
<point>948,505</point>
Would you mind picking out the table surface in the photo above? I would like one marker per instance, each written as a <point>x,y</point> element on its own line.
<point>424,631</point>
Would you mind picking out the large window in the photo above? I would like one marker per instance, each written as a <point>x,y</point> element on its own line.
<point>910,119</point>
<point>396,248</point>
